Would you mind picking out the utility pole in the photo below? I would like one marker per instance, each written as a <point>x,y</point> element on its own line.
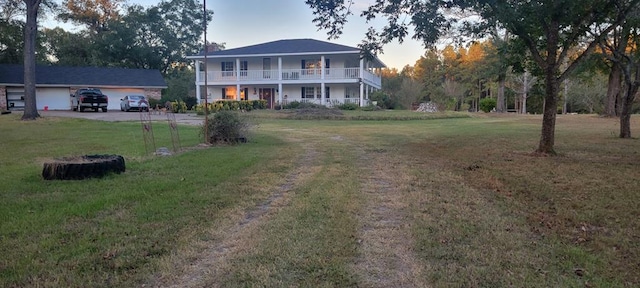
<point>206,90</point>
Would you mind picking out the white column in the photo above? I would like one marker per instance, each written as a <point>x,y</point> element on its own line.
<point>237,79</point>
<point>280,80</point>
<point>237,69</point>
<point>362,82</point>
<point>322,89</point>
<point>322,67</point>
<point>367,92</point>
<point>322,93</point>
<point>198,94</point>
<point>198,72</point>
<point>198,81</point>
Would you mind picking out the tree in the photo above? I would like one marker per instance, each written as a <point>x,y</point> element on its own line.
<point>12,25</point>
<point>94,14</point>
<point>547,28</point>
<point>623,52</point>
<point>30,32</point>
<point>11,39</point>
<point>587,93</point>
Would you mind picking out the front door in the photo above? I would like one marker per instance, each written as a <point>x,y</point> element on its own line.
<point>267,94</point>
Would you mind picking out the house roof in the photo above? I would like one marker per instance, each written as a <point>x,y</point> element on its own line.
<point>284,47</point>
<point>13,74</point>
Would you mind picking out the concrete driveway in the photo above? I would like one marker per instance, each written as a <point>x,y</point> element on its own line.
<point>115,116</point>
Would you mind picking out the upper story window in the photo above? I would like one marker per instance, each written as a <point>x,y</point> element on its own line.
<point>244,66</point>
<point>311,66</point>
<point>227,68</point>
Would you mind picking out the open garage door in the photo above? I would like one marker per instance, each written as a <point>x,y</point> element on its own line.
<point>115,94</point>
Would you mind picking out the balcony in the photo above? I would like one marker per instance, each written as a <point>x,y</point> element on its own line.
<point>351,75</point>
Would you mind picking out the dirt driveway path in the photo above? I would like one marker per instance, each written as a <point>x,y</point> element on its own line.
<point>385,258</point>
<point>118,116</point>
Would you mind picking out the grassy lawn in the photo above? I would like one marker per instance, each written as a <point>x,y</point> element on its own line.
<point>289,208</point>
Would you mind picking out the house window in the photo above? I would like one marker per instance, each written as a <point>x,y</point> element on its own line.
<point>327,93</point>
<point>227,68</point>
<point>244,66</point>
<point>229,93</point>
<point>327,67</point>
<point>311,66</point>
<point>266,67</point>
<point>350,92</point>
<point>310,92</point>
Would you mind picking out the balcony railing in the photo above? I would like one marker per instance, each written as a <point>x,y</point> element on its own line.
<point>287,75</point>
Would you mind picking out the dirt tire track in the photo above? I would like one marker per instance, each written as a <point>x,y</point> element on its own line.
<point>239,238</point>
<point>386,244</point>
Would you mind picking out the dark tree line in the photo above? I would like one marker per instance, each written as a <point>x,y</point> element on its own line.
<point>113,34</point>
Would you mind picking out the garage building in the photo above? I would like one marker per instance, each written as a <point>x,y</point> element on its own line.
<point>54,84</point>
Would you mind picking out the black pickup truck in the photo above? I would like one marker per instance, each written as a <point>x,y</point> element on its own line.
<point>89,98</point>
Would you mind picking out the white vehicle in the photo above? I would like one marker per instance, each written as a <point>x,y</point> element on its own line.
<point>137,102</point>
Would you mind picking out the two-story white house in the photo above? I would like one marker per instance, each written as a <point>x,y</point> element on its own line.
<point>283,71</point>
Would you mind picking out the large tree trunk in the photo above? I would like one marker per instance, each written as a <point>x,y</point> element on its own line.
<point>30,31</point>
<point>550,66</point>
<point>547,138</point>
<point>632,86</point>
<point>500,99</point>
<point>613,90</point>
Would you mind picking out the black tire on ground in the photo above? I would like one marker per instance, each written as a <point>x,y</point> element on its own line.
<point>88,166</point>
<point>104,109</point>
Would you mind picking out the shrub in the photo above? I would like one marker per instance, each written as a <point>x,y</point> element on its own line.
<point>370,107</point>
<point>153,103</point>
<point>347,106</point>
<point>487,104</point>
<point>226,127</point>
<point>191,102</point>
<point>301,105</point>
<point>245,105</point>
<point>383,100</point>
<point>178,107</point>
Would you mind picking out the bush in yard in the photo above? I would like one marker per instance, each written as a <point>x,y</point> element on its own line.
<point>383,100</point>
<point>153,103</point>
<point>347,106</point>
<point>370,107</point>
<point>487,104</point>
<point>191,102</point>
<point>179,107</point>
<point>226,127</point>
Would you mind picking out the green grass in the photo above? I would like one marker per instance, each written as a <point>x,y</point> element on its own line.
<point>480,209</point>
<point>105,232</point>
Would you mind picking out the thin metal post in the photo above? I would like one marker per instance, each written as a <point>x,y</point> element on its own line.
<point>206,94</point>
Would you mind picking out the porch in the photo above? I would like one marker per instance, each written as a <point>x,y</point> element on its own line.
<point>342,75</point>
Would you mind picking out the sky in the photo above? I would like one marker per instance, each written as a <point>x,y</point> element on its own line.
<point>241,23</point>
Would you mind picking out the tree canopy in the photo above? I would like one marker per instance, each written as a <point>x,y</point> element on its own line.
<point>548,29</point>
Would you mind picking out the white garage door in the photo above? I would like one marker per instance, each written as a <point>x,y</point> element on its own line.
<point>53,98</point>
<point>116,94</point>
